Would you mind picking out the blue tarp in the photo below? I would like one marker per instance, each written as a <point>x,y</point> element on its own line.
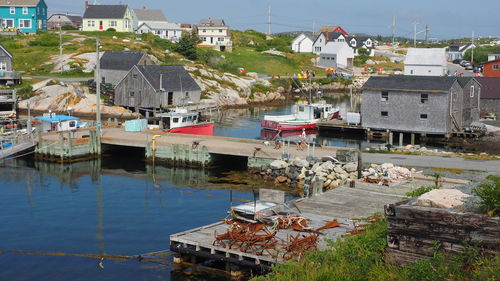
<point>57,118</point>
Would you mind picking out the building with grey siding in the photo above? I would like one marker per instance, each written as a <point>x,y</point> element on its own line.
<point>157,87</point>
<point>490,95</point>
<point>116,64</point>
<point>7,75</point>
<point>420,104</point>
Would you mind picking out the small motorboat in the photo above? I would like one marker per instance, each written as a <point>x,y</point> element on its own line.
<point>304,116</point>
<point>183,122</point>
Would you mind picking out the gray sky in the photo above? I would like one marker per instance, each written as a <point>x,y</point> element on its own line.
<point>446,18</point>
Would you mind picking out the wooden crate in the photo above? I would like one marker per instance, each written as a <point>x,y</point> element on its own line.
<point>413,232</point>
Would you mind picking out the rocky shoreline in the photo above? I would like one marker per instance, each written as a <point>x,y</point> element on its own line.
<point>325,175</point>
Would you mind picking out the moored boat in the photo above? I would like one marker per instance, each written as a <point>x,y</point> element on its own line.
<point>304,116</point>
<point>183,122</point>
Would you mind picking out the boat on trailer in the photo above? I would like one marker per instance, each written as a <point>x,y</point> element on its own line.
<point>304,116</point>
<point>182,121</point>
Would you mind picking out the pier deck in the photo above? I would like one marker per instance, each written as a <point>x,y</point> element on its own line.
<point>343,204</point>
<point>214,144</point>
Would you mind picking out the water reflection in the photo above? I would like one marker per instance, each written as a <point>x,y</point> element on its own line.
<point>95,207</point>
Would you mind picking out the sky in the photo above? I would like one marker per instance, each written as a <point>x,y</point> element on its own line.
<point>445,18</point>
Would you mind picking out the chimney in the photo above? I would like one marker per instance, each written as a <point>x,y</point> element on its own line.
<point>86,4</point>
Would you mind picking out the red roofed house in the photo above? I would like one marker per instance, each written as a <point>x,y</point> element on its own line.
<point>492,68</point>
<point>490,95</point>
<point>332,29</point>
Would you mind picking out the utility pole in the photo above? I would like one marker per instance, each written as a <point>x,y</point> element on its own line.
<point>393,29</point>
<point>60,49</point>
<point>98,89</point>
<point>472,51</point>
<point>427,33</point>
<point>314,27</point>
<point>415,34</point>
<point>269,21</point>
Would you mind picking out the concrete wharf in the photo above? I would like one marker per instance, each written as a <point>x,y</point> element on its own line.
<point>344,204</point>
<point>197,150</point>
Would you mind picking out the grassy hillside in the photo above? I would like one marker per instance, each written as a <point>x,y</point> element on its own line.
<point>34,54</point>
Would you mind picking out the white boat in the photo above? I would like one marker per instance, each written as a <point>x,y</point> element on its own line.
<point>304,116</point>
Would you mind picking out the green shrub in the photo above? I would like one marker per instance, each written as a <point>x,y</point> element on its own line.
<point>260,88</point>
<point>360,60</point>
<point>111,29</point>
<point>162,43</point>
<point>25,92</point>
<point>45,40</point>
<point>68,27</point>
<point>489,192</point>
<point>421,190</point>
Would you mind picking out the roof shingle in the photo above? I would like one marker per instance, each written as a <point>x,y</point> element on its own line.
<point>175,78</point>
<point>410,83</point>
<point>105,12</point>
<point>19,2</point>
<point>490,87</point>
<point>149,15</point>
<point>120,60</point>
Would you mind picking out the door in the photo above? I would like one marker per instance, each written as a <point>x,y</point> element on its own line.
<point>211,40</point>
<point>100,25</point>
<point>170,98</point>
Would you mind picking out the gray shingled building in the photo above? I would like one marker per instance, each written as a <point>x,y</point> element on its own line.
<point>420,104</point>
<point>157,86</point>
<point>116,64</point>
<point>490,95</point>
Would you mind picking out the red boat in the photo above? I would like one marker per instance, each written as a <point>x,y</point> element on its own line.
<point>304,116</point>
<point>183,122</point>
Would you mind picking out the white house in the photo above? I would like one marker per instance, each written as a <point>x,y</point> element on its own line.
<point>358,43</point>
<point>303,43</point>
<point>165,30</point>
<point>214,33</point>
<point>336,55</point>
<point>492,57</point>
<point>319,44</point>
<point>426,62</point>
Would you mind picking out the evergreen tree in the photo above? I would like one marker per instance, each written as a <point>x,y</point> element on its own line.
<point>187,46</point>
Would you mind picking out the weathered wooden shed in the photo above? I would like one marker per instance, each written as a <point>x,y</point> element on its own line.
<point>116,64</point>
<point>157,86</point>
<point>420,104</point>
<point>7,74</point>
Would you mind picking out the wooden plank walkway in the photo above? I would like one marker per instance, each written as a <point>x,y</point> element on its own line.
<point>343,204</point>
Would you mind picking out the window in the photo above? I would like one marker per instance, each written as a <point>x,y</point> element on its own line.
<point>203,38</point>
<point>134,76</point>
<point>12,10</point>
<point>175,120</point>
<point>301,108</point>
<point>411,71</point>
<point>91,23</point>
<point>23,23</point>
<point>25,10</point>
<point>132,94</point>
<point>471,91</point>
<point>204,31</point>
<point>496,67</point>
<point>112,23</point>
<point>385,96</point>
<point>9,22</point>
<point>328,58</point>
<point>221,39</point>
<point>423,116</point>
<point>127,23</point>
<point>187,94</point>
<point>424,98</point>
<point>220,30</point>
<point>72,124</point>
<point>384,113</point>
<point>3,66</point>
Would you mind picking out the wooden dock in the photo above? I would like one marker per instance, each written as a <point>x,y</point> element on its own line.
<point>344,204</point>
<point>341,126</point>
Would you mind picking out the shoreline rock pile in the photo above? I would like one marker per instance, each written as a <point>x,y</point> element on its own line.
<point>330,174</point>
<point>293,172</point>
